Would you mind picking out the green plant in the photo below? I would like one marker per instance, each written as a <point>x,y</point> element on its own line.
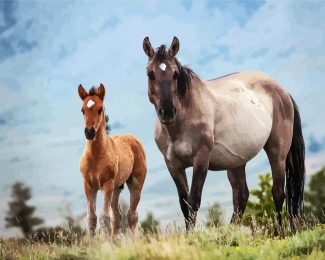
<point>315,196</point>
<point>261,206</point>
<point>215,215</point>
<point>150,224</point>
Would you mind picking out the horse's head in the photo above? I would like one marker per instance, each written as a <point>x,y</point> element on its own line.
<point>92,109</point>
<point>163,72</point>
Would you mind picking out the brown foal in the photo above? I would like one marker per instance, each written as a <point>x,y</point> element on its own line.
<point>107,163</point>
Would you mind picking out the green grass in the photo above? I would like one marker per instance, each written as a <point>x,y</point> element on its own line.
<point>227,241</point>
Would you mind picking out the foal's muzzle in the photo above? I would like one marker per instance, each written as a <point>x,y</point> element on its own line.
<point>167,115</point>
<point>90,133</point>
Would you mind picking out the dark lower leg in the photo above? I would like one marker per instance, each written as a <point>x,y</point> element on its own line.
<point>200,170</point>
<point>278,175</point>
<point>240,193</point>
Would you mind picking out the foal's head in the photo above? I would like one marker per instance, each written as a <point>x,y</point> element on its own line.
<point>92,109</point>
<point>168,80</point>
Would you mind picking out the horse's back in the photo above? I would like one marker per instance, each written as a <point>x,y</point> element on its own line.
<point>130,141</point>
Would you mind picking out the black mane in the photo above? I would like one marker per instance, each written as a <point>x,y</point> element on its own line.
<point>185,73</point>
<point>108,128</point>
<point>162,54</point>
<point>93,92</point>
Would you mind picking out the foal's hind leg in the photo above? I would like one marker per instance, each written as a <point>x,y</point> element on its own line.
<point>135,187</point>
<point>240,193</point>
<point>115,210</point>
<point>104,219</point>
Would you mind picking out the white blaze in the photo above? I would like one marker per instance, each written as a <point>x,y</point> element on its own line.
<point>90,103</point>
<point>163,66</point>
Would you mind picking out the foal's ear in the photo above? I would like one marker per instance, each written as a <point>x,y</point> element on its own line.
<point>101,91</point>
<point>147,47</point>
<point>82,92</point>
<point>174,47</point>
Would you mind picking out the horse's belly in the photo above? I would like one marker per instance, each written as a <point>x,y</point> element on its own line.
<point>241,134</point>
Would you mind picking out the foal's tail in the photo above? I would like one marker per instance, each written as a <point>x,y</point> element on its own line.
<point>295,168</point>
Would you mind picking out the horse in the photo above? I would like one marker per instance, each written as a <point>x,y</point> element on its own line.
<point>107,163</point>
<point>221,124</point>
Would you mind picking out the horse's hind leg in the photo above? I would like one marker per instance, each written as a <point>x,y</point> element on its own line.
<point>115,210</point>
<point>277,148</point>
<point>135,187</point>
<point>240,193</point>
<point>277,158</point>
<point>135,183</point>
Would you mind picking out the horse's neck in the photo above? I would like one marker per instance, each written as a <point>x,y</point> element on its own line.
<point>185,107</point>
<point>101,142</point>
<point>192,98</point>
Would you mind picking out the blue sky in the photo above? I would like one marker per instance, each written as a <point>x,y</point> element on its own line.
<point>48,48</point>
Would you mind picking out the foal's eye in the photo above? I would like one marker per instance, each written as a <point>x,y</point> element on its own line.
<point>151,75</point>
<point>82,111</point>
<point>175,75</point>
<point>100,111</point>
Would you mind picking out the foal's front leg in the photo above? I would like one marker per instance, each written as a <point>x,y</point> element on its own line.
<point>91,208</point>
<point>104,219</point>
<point>200,170</point>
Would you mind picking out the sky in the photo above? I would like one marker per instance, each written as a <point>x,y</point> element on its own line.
<point>48,48</point>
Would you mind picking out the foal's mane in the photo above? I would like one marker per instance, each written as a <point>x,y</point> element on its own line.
<point>93,92</point>
<point>185,73</point>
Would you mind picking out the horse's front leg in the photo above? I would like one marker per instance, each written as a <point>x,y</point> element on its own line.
<point>200,169</point>
<point>177,172</point>
<point>91,208</point>
<point>104,218</point>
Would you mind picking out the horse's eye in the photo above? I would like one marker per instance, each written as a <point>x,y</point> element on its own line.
<point>100,111</point>
<point>82,111</point>
<point>175,75</point>
<point>151,75</point>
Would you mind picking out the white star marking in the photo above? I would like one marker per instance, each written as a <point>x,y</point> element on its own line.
<point>90,103</point>
<point>163,66</point>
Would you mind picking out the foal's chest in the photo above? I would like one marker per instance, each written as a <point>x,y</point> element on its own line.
<point>96,174</point>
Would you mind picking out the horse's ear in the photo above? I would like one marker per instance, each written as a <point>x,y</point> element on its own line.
<point>101,91</point>
<point>174,47</point>
<point>82,92</point>
<point>147,47</point>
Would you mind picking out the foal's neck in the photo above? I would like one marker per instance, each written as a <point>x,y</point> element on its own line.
<point>100,143</point>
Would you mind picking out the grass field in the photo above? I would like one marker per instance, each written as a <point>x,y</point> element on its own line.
<point>227,241</point>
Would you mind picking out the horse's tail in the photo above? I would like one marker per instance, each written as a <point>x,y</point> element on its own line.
<point>295,168</point>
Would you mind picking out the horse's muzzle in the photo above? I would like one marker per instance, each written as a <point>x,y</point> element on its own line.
<point>167,115</point>
<point>90,133</point>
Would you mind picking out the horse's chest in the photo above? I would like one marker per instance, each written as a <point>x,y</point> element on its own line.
<point>97,173</point>
<point>183,148</point>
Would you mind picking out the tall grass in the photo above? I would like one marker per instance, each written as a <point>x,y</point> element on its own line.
<point>224,241</point>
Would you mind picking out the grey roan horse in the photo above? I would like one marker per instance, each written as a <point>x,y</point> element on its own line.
<point>221,124</point>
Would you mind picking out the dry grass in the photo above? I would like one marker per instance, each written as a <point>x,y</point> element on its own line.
<point>226,241</point>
